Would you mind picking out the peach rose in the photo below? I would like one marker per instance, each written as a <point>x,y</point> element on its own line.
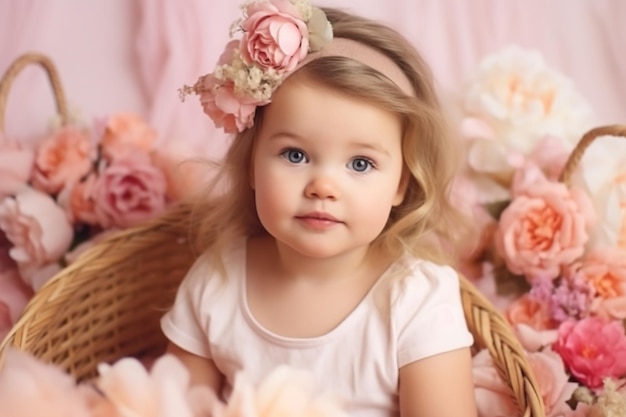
<point>37,228</point>
<point>593,349</point>
<point>126,132</point>
<point>16,164</point>
<point>605,270</point>
<point>275,36</point>
<point>543,229</point>
<point>184,172</point>
<point>77,201</point>
<point>525,310</point>
<point>228,111</point>
<point>129,191</point>
<point>62,158</point>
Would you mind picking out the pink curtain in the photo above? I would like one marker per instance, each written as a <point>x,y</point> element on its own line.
<point>23,25</point>
<point>118,55</point>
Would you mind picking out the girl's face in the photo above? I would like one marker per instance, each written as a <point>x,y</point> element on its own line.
<point>327,169</point>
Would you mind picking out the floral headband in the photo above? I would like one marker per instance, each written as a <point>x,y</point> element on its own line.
<point>279,37</point>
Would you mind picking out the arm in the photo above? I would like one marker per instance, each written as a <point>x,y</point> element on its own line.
<point>438,386</point>
<point>202,370</point>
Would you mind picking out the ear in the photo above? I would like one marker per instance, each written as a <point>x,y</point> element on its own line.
<point>402,187</point>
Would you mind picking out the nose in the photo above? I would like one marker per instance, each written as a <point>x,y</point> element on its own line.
<point>322,187</point>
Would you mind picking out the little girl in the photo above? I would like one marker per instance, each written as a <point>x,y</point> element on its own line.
<point>323,239</point>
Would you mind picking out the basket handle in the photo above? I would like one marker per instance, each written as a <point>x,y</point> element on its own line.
<point>55,81</point>
<point>583,144</point>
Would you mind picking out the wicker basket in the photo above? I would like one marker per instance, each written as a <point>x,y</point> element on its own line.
<point>108,303</point>
<point>53,76</point>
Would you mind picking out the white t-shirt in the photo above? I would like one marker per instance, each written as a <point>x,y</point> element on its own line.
<point>399,321</point>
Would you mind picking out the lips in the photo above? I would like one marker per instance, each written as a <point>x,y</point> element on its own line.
<point>318,215</point>
<point>318,220</point>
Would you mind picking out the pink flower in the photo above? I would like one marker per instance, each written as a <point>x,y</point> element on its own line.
<point>126,132</point>
<point>77,201</point>
<point>526,310</point>
<point>31,388</point>
<point>553,382</point>
<point>162,392</point>
<point>275,36</point>
<point>16,164</point>
<point>64,157</point>
<point>533,339</point>
<point>592,349</point>
<point>605,270</point>
<point>184,173</point>
<point>14,295</point>
<point>5,320</point>
<point>37,228</point>
<point>493,397</point>
<point>543,229</point>
<point>228,111</point>
<point>284,392</point>
<point>129,191</point>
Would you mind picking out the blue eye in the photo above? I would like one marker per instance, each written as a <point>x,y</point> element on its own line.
<point>361,164</point>
<point>295,156</point>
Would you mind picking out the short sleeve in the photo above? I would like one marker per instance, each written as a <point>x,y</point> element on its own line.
<point>184,324</point>
<point>428,313</point>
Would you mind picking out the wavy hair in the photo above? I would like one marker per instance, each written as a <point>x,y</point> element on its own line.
<point>426,223</point>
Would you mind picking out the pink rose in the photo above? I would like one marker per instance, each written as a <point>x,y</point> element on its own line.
<point>37,227</point>
<point>543,229</point>
<point>275,36</point>
<point>605,270</point>
<point>228,111</point>
<point>64,157</point>
<point>592,349</point>
<point>16,164</point>
<point>129,191</point>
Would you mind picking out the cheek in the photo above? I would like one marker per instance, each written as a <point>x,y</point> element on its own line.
<point>271,192</point>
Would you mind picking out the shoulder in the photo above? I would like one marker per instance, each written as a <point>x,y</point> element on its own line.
<point>420,282</point>
<point>205,274</point>
<point>426,312</point>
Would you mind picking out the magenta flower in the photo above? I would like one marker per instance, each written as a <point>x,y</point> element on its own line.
<point>592,349</point>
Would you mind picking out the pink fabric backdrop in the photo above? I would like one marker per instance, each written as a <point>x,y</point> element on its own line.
<point>118,55</point>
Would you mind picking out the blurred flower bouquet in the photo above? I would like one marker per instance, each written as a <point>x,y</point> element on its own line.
<point>552,248</point>
<point>60,196</point>
<point>125,388</point>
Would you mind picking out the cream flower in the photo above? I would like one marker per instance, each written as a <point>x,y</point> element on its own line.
<point>522,100</point>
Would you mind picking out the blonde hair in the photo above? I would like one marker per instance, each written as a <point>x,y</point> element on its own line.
<point>426,223</point>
